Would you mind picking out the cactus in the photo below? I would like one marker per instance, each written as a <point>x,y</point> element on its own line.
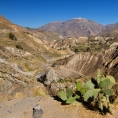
<point>62,95</point>
<point>89,85</point>
<point>98,76</point>
<point>97,91</point>
<point>93,93</point>
<point>82,90</point>
<point>106,83</point>
<point>69,92</point>
<point>100,105</point>
<point>67,96</point>
<point>111,78</point>
<point>78,85</point>
<point>107,91</point>
<point>71,99</point>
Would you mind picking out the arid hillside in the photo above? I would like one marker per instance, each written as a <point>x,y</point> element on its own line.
<point>23,53</point>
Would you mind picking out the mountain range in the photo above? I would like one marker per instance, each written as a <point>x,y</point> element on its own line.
<point>81,27</point>
<point>74,27</point>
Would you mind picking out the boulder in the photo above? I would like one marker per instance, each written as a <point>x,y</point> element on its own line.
<point>37,112</point>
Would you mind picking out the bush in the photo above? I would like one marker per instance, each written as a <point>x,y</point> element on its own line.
<point>12,37</point>
<point>19,47</point>
<point>76,50</point>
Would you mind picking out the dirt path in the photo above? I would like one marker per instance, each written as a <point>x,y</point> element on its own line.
<point>19,108</point>
<point>22,108</point>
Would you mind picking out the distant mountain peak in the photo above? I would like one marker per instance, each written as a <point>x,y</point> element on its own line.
<point>74,27</point>
<point>57,22</point>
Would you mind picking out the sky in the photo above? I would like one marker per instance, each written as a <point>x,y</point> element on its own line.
<point>35,13</point>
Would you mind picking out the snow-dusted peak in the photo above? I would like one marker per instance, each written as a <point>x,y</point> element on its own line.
<point>79,18</point>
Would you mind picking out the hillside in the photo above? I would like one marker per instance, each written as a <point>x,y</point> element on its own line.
<point>23,53</point>
<point>74,27</point>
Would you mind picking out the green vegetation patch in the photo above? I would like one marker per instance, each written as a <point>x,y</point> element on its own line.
<point>93,45</point>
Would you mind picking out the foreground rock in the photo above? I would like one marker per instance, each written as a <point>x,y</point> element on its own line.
<point>37,112</point>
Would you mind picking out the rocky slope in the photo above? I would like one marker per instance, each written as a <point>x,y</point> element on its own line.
<point>74,27</point>
<point>23,53</point>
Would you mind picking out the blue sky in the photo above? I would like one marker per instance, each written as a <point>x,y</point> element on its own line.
<point>35,13</point>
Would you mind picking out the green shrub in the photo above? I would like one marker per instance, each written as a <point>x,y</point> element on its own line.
<point>97,91</point>
<point>19,47</point>
<point>12,37</point>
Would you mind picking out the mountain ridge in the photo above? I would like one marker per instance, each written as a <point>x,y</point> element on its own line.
<point>74,27</point>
